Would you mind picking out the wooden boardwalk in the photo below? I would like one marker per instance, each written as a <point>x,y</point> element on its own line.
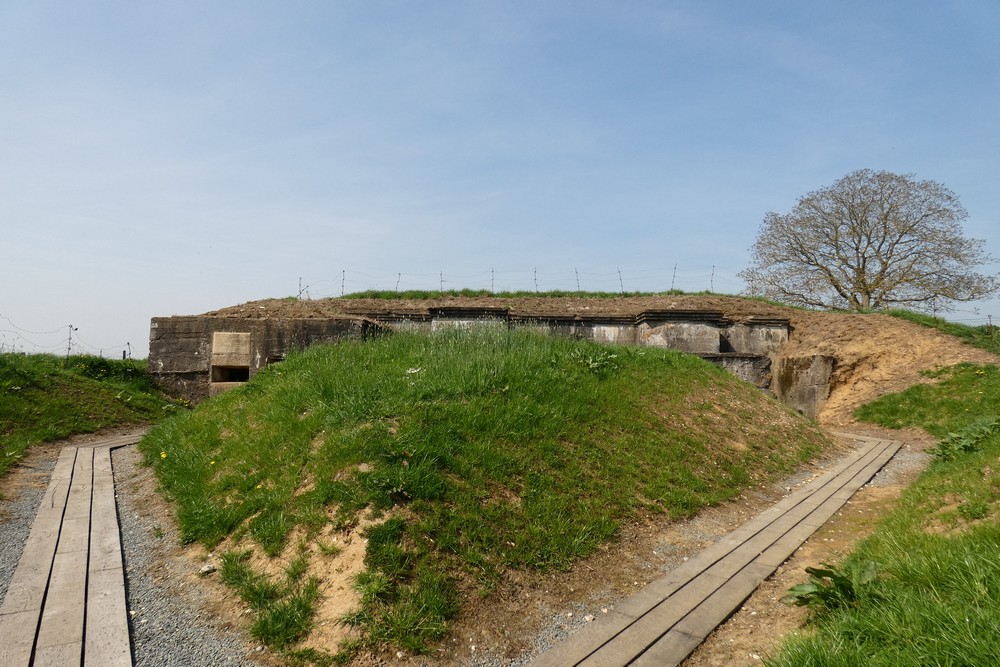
<point>66,601</point>
<point>665,621</point>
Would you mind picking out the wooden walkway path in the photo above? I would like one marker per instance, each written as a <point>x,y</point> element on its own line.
<point>66,601</point>
<point>665,621</point>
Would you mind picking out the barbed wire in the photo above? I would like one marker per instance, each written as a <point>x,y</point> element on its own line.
<point>671,276</point>
<point>622,280</point>
<point>70,342</point>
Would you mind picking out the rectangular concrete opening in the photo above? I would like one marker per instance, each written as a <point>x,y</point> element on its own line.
<point>230,373</point>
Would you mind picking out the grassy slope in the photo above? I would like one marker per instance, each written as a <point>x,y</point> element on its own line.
<point>490,451</point>
<point>45,398</point>
<point>937,598</point>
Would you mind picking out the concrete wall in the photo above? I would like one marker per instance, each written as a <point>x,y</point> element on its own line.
<point>196,357</point>
<point>752,368</point>
<point>756,336</point>
<point>804,382</point>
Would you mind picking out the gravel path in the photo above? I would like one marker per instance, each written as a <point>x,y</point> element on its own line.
<point>17,512</point>
<point>170,626</point>
<point>169,620</point>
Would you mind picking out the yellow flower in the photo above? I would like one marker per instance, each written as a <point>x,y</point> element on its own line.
<point>260,486</point>
<point>163,455</point>
<point>211,463</point>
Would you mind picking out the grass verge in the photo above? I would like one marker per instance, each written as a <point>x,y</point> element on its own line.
<point>45,398</point>
<point>924,589</point>
<point>465,454</point>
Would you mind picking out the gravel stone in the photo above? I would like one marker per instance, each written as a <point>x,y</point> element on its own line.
<point>166,630</point>
<point>17,513</point>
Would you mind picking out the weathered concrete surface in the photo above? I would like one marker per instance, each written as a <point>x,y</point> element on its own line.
<point>751,368</point>
<point>804,382</point>
<point>757,335</point>
<point>195,357</point>
<point>697,332</point>
<point>199,356</point>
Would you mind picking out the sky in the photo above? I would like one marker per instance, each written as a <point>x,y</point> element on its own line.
<point>171,158</point>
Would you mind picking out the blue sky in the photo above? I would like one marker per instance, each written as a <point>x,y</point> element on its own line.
<point>175,157</point>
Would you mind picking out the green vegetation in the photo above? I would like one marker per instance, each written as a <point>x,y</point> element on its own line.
<point>45,398</point>
<point>984,336</point>
<point>285,609</point>
<point>463,454</point>
<point>936,597</point>
<point>964,393</point>
<point>478,294</point>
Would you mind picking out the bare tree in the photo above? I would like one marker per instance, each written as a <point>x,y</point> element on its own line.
<point>873,239</point>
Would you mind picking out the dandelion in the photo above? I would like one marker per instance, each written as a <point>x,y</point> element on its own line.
<point>163,455</point>
<point>260,486</point>
<point>211,463</point>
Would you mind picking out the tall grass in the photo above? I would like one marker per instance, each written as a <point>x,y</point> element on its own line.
<point>937,599</point>
<point>45,398</point>
<point>485,450</point>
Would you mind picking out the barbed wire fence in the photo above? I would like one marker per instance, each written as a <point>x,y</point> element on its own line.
<point>713,280</point>
<point>62,340</point>
<point>66,339</point>
<point>534,279</point>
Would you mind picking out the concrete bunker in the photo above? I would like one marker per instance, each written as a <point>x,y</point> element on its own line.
<point>199,356</point>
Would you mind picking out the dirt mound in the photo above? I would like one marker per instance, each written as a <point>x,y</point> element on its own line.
<point>874,354</point>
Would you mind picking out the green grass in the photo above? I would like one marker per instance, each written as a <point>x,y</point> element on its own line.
<point>936,600</point>
<point>472,293</point>
<point>45,398</point>
<point>478,452</point>
<point>964,392</point>
<point>984,336</point>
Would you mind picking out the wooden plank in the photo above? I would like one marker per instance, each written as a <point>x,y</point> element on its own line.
<point>672,649</point>
<point>17,637</point>
<point>22,605</point>
<point>78,501</point>
<point>719,605</point>
<point>60,632</point>
<point>105,539</point>
<point>107,641</point>
<point>60,655</point>
<point>27,586</point>
<point>114,441</point>
<point>673,614</point>
<point>62,618</point>
<point>650,627</point>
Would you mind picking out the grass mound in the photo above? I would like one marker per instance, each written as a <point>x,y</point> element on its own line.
<point>935,599</point>
<point>45,398</point>
<point>470,453</point>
